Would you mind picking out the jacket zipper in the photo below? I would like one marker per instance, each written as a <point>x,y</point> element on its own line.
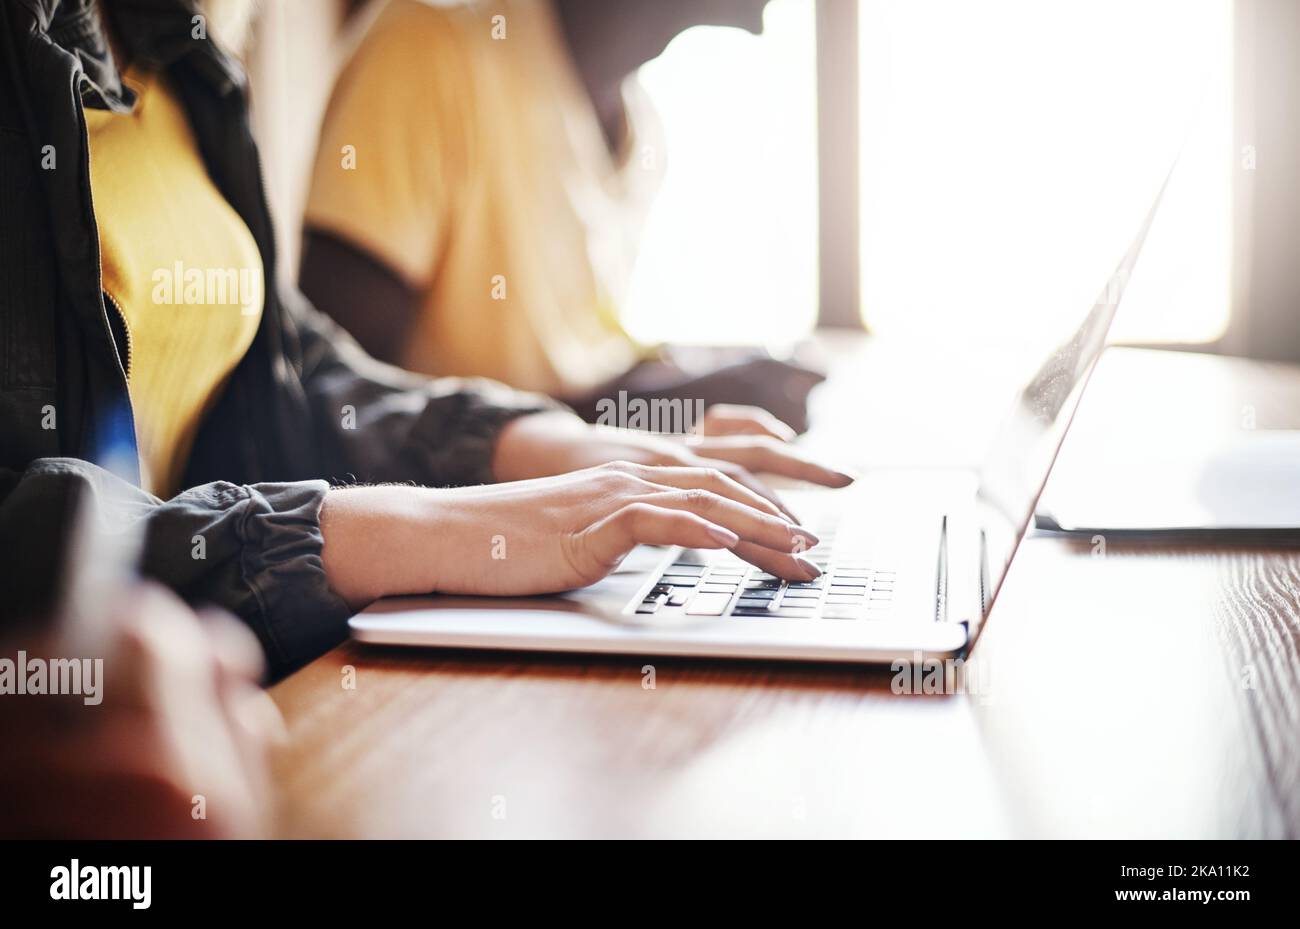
<point>99,255</point>
<point>122,364</point>
<point>126,327</point>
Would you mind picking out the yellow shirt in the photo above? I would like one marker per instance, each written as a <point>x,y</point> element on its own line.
<point>179,265</point>
<point>461,150</point>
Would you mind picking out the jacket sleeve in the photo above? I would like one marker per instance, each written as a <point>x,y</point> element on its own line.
<point>377,423</point>
<point>253,549</point>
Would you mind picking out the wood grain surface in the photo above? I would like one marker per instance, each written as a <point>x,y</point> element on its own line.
<point>1142,691</point>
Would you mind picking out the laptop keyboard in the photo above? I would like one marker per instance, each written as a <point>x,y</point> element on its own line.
<point>853,585</point>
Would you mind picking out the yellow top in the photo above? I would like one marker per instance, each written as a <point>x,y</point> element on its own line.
<point>461,150</point>
<point>178,264</point>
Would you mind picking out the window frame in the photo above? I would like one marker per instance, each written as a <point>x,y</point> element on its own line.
<point>839,261</point>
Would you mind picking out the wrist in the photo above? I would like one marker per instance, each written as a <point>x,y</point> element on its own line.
<point>377,542</point>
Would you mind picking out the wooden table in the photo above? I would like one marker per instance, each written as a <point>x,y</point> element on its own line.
<point>1151,692</point>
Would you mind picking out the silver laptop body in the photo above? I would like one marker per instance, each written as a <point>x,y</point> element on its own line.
<point>912,560</point>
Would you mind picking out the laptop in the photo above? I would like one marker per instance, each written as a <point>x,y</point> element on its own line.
<point>912,560</point>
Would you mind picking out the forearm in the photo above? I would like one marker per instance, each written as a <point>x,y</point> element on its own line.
<point>386,540</point>
<point>538,445</point>
<point>394,540</point>
<point>379,542</point>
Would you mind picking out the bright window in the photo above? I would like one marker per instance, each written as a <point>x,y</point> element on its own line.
<point>1010,149</point>
<point>729,253</point>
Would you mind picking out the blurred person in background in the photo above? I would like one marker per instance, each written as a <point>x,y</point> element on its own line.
<point>174,745</point>
<point>482,177</point>
<point>136,249</point>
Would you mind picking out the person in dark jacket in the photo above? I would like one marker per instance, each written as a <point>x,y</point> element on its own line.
<point>149,367</point>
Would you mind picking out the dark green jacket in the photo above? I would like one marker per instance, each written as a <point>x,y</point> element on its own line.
<point>305,408</point>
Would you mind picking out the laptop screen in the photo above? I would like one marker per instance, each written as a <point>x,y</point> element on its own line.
<point>1016,466</point>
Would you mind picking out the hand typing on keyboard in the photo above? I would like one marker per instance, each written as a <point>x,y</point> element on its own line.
<point>556,533</point>
<point>574,500</point>
<point>548,443</point>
